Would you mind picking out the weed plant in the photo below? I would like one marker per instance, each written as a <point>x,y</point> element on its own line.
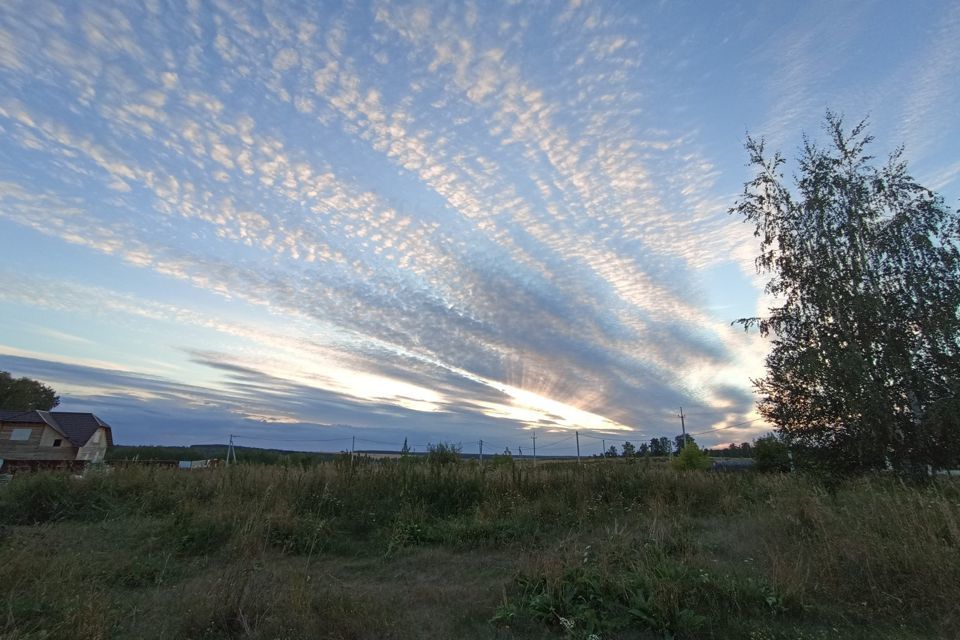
<point>411,548</point>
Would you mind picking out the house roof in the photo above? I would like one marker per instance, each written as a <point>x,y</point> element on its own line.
<point>75,427</point>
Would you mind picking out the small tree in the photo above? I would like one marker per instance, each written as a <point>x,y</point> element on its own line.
<point>611,452</point>
<point>629,450</point>
<point>691,458</point>
<point>660,446</point>
<point>24,394</point>
<point>770,453</point>
<point>443,454</point>
<point>679,444</point>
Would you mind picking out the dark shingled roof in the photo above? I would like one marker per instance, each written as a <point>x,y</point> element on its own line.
<point>11,415</point>
<point>75,427</point>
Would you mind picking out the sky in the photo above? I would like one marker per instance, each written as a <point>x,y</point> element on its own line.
<point>302,223</point>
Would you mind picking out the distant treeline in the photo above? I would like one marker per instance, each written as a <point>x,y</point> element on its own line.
<point>664,446</point>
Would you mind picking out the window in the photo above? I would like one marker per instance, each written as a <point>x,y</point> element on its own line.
<point>21,434</point>
<point>57,442</point>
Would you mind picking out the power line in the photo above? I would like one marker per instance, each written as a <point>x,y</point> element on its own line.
<point>603,437</point>
<point>561,441</point>
<point>729,426</point>
<point>389,444</point>
<point>494,445</point>
<point>291,439</point>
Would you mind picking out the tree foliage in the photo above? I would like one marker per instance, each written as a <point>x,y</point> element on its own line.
<point>660,446</point>
<point>691,458</point>
<point>25,394</point>
<point>865,266</point>
<point>680,441</point>
<point>443,453</point>
<point>771,453</point>
<point>734,450</point>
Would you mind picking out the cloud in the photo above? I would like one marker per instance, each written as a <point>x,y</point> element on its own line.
<point>9,56</point>
<point>932,87</point>
<point>484,231</point>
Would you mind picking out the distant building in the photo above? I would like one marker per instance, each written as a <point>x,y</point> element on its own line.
<point>732,464</point>
<point>45,439</point>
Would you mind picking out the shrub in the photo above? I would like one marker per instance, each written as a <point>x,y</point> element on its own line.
<point>443,454</point>
<point>38,498</point>
<point>770,453</point>
<point>501,460</point>
<point>624,588</point>
<point>691,458</point>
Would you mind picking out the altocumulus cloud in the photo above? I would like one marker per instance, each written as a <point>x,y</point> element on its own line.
<point>416,218</point>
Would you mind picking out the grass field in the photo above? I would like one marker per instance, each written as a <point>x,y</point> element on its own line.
<point>407,549</point>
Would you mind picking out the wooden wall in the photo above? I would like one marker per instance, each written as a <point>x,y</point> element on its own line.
<point>38,447</point>
<point>95,448</point>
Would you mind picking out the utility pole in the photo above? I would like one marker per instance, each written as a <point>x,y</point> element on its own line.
<point>683,428</point>
<point>603,452</point>
<point>534,449</point>
<point>353,448</point>
<point>578,447</point>
<point>481,454</point>
<point>230,450</point>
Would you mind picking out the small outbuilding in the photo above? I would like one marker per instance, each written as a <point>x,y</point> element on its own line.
<point>732,464</point>
<point>44,439</point>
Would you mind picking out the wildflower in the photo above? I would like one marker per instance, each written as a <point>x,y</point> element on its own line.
<point>567,624</point>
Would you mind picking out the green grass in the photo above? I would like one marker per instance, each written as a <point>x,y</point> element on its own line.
<point>405,549</point>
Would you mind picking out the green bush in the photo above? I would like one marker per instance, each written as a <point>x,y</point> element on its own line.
<point>37,498</point>
<point>770,453</point>
<point>638,588</point>
<point>443,454</point>
<point>691,458</point>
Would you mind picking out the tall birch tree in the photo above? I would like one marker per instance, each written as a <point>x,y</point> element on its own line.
<point>865,266</point>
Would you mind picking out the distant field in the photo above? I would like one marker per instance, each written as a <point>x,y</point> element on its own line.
<point>219,451</point>
<point>278,456</point>
<point>407,549</point>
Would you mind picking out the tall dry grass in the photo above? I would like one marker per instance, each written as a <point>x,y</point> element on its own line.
<point>617,548</point>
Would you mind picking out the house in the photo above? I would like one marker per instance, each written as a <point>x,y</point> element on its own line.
<point>44,439</point>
